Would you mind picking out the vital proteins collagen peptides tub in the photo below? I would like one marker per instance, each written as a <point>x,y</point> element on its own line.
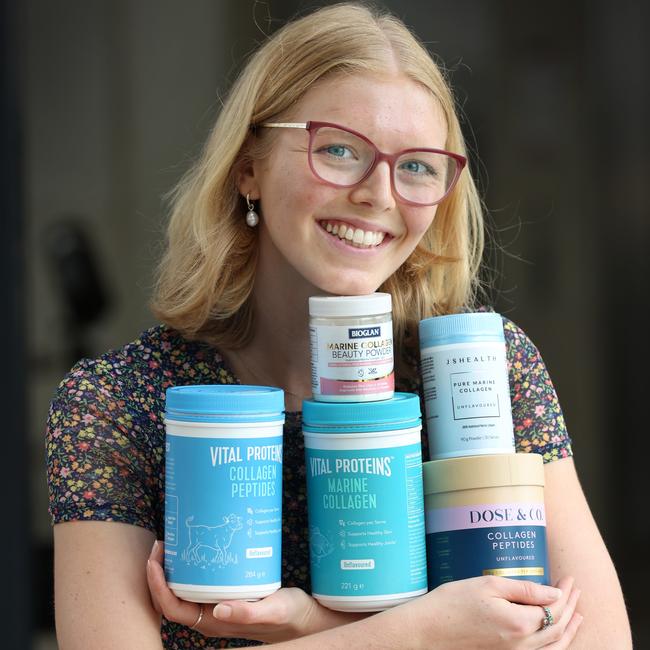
<point>485,516</point>
<point>351,348</point>
<point>365,502</point>
<point>465,385</point>
<point>223,491</point>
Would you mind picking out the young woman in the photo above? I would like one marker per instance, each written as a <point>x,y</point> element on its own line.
<point>264,220</point>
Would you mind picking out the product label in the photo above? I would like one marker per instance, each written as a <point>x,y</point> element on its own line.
<point>505,539</point>
<point>366,521</point>
<point>352,361</point>
<point>223,510</point>
<point>467,399</point>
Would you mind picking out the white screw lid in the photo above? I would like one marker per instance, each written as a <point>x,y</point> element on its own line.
<point>338,306</point>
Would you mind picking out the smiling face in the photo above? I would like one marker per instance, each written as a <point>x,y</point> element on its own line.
<point>317,238</point>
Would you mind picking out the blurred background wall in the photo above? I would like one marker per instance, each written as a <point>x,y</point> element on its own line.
<point>105,102</point>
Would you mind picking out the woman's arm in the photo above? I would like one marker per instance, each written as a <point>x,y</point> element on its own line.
<point>486,612</point>
<point>100,587</point>
<point>576,548</point>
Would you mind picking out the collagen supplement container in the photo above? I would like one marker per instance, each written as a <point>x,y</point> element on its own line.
<point>485,516</point>
<point>465,385</point>
<point>351,348</point>
<point>223,491</point>
<point>365,502</point>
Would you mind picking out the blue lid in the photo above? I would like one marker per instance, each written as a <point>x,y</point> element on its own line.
<point>461,328</point>
<point>224,403</point>
<point>402,411</point>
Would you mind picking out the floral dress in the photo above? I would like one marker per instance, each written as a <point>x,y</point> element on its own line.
<point>105,441</point>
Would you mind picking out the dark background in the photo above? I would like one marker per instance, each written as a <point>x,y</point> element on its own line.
<point>105,102</point>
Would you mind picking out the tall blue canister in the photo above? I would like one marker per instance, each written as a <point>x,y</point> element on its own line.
<point>365,502</point>
<point>465,385</point>
<point>223,491</point>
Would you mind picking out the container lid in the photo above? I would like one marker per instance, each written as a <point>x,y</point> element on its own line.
<point>475,472</point>
<point>337,306</point>
<point>402,411</point>
<point>460,328</point>
<point>224,403</point>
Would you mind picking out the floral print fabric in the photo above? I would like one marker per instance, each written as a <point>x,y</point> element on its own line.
<point>105,441</point>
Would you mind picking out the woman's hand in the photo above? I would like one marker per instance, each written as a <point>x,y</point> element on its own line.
<point>492,612</point>
<point>284,615</point>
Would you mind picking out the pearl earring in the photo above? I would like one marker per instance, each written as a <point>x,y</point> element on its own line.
<point>252,218</point>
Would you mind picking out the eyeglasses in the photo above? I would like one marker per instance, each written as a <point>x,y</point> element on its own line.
<point>342,157</point>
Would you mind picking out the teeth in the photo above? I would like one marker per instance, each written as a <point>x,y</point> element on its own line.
<point>355,236</point>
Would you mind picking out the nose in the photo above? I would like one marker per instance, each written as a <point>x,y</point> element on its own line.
<point>376,190</point>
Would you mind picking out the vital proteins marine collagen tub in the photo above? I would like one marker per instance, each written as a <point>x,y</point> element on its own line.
<point>223,491</point>
<point>465,385</point>
<point>351,348</point>
<point>485,516</point>
<point>365,502</point>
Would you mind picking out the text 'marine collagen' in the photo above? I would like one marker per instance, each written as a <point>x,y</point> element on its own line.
<point>365,502</point>
<point>223,491</point>
<point>465,385</point>
<point>351,348</point>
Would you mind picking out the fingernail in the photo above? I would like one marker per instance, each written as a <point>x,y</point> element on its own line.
<point>554,592</point>
<point>222,611</point>
<point>580,618</point>
<point>154,548</point>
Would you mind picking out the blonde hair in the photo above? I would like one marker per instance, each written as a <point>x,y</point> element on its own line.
<point>206,275</point>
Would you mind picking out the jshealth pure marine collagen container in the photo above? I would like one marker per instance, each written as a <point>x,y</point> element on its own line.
<point>223,491</point>
<point>351,348</point>
<point>485,516</point>
<point>365,502</point>
<point>465,385</point>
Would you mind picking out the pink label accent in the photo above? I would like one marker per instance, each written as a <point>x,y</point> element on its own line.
<point>354,364</point>
<point>371,387</point>
<point>486,516</point>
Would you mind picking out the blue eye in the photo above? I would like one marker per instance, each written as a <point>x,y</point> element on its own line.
<point>338,151</point>
<point>417,167</point>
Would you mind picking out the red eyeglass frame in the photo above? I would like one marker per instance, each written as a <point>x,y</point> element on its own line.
<point>379,156</point>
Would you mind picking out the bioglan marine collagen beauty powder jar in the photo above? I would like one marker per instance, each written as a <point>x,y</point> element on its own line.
<point>351,348</point>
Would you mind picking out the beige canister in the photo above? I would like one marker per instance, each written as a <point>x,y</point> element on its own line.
<point>485,516</point>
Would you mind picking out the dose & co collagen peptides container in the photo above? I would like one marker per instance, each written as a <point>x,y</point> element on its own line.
<point>485,516</point>
<point>365,502</point>
<point>351,348</point>
<point>465,385</point>
<point>223,491</point>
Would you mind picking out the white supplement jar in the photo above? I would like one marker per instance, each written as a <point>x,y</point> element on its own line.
<point>223,491</point>
<point>351,348</point>
<point>465,385</point>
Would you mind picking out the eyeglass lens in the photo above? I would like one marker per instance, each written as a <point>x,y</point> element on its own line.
<point>342,158</point>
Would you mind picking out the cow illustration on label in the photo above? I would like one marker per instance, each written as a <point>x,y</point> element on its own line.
<point>210,544</point>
